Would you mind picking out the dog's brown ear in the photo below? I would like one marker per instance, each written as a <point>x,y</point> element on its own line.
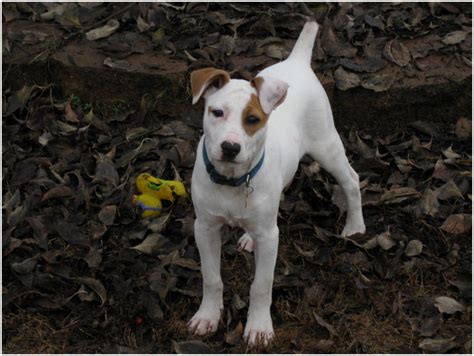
<point>207,78</point>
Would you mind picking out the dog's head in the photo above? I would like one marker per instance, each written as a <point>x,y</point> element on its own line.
<point>236,113</point>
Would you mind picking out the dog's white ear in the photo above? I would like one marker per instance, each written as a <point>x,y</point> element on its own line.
<point>207,80</point>
<point>271,92</point>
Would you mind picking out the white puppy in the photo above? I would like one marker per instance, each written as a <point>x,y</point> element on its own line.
<point>255,134</point>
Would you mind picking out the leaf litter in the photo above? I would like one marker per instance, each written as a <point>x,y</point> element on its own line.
<point>79,260</point>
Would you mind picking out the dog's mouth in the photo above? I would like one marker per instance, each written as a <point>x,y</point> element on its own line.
<point>227,160</point>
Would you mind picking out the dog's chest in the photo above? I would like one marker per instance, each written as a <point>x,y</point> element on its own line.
<point>234,205</point>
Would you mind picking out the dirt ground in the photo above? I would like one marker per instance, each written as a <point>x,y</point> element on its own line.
<point>83,272</point>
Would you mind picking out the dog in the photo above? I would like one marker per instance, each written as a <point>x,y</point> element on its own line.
<point>255,133</point>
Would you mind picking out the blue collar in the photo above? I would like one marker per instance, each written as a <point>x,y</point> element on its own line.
<point>218,178</point>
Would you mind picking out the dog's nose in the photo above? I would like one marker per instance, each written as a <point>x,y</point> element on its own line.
<point>230,150</point>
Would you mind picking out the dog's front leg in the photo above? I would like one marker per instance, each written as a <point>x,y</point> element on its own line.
<point>208,241</point>
<point>259,328</point>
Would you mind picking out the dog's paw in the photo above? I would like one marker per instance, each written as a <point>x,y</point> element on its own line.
<point>352,229</point>
<point>259,329</point>
<point>203,323</point>
<point>245,243</point>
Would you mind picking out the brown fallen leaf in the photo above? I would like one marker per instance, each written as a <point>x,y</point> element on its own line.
<point>153,309</point>
<point>186,263</point>
<point>379,82</point>
<point>425,127</point>
<point>96,286</point>
<point>334,45</point>
<point>428,203</point>
<point>26,266</point>
<point>449,190</point>
<point>449,153</point>
<point>116,63</point>
<point>438,345</point>
<point>441,171</point>
<point>107,214</point>
<point>427,326</point>
<point>104,31</point>
<point>397,53</point>
<point>397,195</point>
<point>414,248</point>
<point>93,257</point>
<point>385,241</point>
<point>158,224</point>
<point>106,171</point>
<point>148,246</point>
<point>457,224</point>
<point>19,99</point>
<point>191,347</point>
<point>370,244</point>
<point>324,345</point>
<point>233,337</point>
<point>59,191</point>
<point>345,80</point>
<point>463,128</point>
<point>448,305</point>
<point>69,113</point>
<point>70,233</point>
<point>454,37</point>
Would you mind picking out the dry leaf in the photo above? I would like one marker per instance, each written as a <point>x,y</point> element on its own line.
<point>191,347</point>
<point>448,191</point>
<point>457,224</point>
<point>397,53</point>
<point>116,63</point>
<point>463,128</point>
<point>158,224</point>
<point>438,345</point>
<point>379,82</point>
<point>69,113</point>
<point>454,37</point>
<point>107,214</point>
<point>448,305</point>
<point>449,153</point>
<point>149,244</point>
<point>346,80</point>
<point>428,326</point>
<point>104,31</point>
<point>397,195</point>
<point>428,203</point>
<point>59,191</point>
<point>96,286</point>
<point>385,241</point>
<point>414,248</point>
<point>233,337</point>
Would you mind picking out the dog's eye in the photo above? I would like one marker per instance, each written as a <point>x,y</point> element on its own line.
<point>217,113</point>
<point>252,120</point>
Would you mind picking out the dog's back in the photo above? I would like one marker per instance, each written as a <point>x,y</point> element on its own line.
<point>305,93</point>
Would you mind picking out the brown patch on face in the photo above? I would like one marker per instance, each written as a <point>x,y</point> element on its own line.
<point>253,108</point>
<point>201,79</point>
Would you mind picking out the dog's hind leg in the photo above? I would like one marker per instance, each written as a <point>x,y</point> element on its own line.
<point>330,154</point>
<point>245,243</point>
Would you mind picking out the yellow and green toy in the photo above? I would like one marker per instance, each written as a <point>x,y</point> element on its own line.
<point>153,190</point>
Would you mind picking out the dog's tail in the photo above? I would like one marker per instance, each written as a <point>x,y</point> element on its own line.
<point>303,49</point>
